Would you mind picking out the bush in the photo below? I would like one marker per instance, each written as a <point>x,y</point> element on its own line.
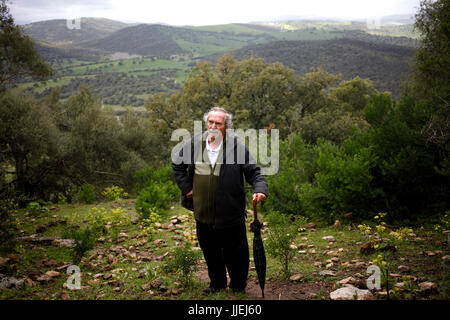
<point>114,193</point>
<point>85,240</point>
<point>158,196</point>
<point>184,264</point>
<point>282,232</point>
<point>8,228</point>
<point>108,221</point>
<point>147,177</point>
<point>86,194</point>
<point>36,208</point>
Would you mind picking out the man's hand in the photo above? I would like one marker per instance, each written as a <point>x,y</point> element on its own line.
<point>260,197</point>
<point>189,194</point>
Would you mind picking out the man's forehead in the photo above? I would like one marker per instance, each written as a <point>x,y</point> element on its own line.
<point>216,114</point>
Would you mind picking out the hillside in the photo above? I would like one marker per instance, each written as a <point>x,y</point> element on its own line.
<point>386,65</point>
<point>57,32</point>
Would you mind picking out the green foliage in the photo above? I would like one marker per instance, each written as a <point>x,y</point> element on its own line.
<point>8,227</point>
<point>114,193</point>
<point>184,263</point>
<point>149,223</point>
<point>108,221</point>
<point>150,175</point>
<point>157,195</point>
<point>282,233</point>
<point>36,208</point>
<point>18,56</point>
<point>84,239</point>
<point>86,193</point>
<point>342,183</point>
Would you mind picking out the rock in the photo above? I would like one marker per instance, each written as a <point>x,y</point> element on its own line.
<point>312,251</point>
<point>427,288</point>
<point>295,277</point>
<point>329,266</point>
<point>335,259</point>
<point>53,274</point>
<point>145,287</point>
<point>156,283</point>
<point>293,247</point>
<point>430,253</point>
<point>399,285</point>
<point>318,264</point>
<point>329,238</point>
<point>107,276</point>
<point>301,230</point>
<point>404,269</point>
<point>310,225</point>
<point>12,283</point>
<point>351,293</point>
<point>44,278</point>
<point>327,273</point>
<point>302,251</point>
<point>349,280</point>
<point>337,224</point>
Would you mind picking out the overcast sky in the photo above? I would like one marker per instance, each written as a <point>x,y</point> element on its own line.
<point>205,12</point>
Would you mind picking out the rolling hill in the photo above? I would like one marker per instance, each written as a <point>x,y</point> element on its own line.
<point>386,65</point>
<point>57,32</point>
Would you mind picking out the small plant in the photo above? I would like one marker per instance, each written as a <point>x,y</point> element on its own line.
<point>85,240</point>
<point>281,234</point>
<point>86,194</point>
<point>184,264</point>
<point>35,208</point>
<point>108,221</point>
<point>149,227</point>
<point>114,193</point>
<point>157,195</point>
<point>8,227</point>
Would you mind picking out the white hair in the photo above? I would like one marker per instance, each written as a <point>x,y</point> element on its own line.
<point>228,116</point>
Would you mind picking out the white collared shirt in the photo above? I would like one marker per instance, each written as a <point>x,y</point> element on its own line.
<point>213,153</point>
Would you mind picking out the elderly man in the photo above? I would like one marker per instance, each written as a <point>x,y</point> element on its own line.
<point>212,185</point>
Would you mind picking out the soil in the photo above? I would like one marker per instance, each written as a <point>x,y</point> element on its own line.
<point>274,290</point>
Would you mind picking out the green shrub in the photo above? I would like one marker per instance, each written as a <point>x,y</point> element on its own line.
<point>147,177</point>
<point>158,196</point>
<point>8,228</point>
<point>282,233</point>
<point>86,193</point>
<point>184,264</point>
<point>85,240</point>
<point>114,193</point>
<point>36,208</point>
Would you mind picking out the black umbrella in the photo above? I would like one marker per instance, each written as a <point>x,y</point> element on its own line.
<point>259,255</point>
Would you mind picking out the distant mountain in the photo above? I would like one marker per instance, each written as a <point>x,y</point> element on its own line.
<point>57,31</point>
<point>386,65</point>
<point>143,39</point>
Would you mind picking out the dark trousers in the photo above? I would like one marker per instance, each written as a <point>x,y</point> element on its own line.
<point>225,249</point>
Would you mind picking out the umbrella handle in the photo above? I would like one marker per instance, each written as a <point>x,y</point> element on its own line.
<point>255,211</point>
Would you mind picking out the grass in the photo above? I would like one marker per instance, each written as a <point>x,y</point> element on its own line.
<point>109,271</point>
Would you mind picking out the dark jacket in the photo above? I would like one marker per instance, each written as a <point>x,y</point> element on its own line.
<point>230,197</point>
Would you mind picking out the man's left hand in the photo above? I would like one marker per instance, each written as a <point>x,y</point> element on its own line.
<point>260,197</point>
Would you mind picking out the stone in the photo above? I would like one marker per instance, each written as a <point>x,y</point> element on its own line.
<point>318,264</point>
<point>12,283</point>
<point>337,224</point>
<point>293,247</point>
<point>404,269</point>
<point>295,277</point>
<point>427,288</point>
<point>53,274</point>
<point>327,273</point>
<point>145,287</point>
<point>329,238</point>
<point>310,225</point>
<point>302,251</point>
<point>351,293</point>
<point>349,280</point>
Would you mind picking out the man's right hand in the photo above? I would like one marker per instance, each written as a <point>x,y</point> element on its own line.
<point>189,194</point>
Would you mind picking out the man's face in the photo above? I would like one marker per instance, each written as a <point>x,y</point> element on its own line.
<point>216,123</point>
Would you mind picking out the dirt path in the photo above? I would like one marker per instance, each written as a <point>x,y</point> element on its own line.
<point>274,290</point>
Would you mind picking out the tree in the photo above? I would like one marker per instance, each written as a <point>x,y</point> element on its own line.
<point>18,57</point>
